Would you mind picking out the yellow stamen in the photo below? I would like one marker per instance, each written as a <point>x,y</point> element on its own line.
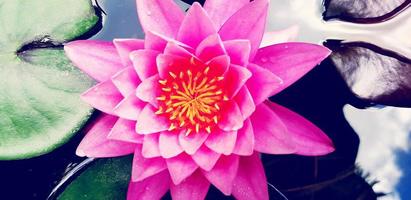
<point>201,83</point>
<point>182,124</point>
<point>208,129</point>
<point>207,111</point>
<point>184,94</point>
<point>191,99</point>
<point>172,127</point>
<point>207,88</point>
<point>172,74</point>
<point>206,70</point>
<point>198,75</point>
<point>202,118</point>
<point>186,89</point>
<point>192,60</point>
<point>206,94</point>
<point>179,103</point>
<point>161,98</point>
<point>185,107</point>
<point>163,82</point>
<point>174,97</point>
<point>159,111</point>
<point>188,132</point>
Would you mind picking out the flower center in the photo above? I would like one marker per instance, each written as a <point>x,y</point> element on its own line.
<point>191,100</point>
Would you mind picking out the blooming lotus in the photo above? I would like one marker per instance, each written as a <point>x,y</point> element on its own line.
<point>190,101</point>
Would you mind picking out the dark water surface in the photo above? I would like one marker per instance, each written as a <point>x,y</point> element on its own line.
<point>372,157</point>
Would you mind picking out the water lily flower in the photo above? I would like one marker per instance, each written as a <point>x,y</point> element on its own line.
<point>190,101</point>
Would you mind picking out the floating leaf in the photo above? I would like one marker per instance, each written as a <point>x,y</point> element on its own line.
<point>40,107</point>
<point>364,11</point>
<point>373,74</point>
<point>102,179</point>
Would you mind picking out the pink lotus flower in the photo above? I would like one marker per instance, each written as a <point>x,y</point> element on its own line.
<point>190,101</point>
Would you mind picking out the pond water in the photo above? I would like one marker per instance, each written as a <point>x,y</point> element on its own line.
<point>373,145</point>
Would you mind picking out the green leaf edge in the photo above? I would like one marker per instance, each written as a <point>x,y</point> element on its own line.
<point>87,25</point>
<point>65,190</point>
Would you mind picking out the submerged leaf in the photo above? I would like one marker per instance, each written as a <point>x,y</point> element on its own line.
<point>374,75</point>
<point>102,179</point>
<point>40,107</point>
<point>364,11</point>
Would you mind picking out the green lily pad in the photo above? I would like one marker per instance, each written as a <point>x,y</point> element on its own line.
<point>40,108</point>
<point>103,179</point>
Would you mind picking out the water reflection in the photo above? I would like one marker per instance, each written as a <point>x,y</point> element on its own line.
<point>123,21</point>
<point>120,19</point>
<point>392,34</point>
<point>384,145</point>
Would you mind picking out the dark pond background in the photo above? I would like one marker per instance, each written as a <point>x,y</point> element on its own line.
<point>372,157</point>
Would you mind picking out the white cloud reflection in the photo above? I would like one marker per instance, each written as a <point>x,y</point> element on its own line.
<point>383,132</point>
